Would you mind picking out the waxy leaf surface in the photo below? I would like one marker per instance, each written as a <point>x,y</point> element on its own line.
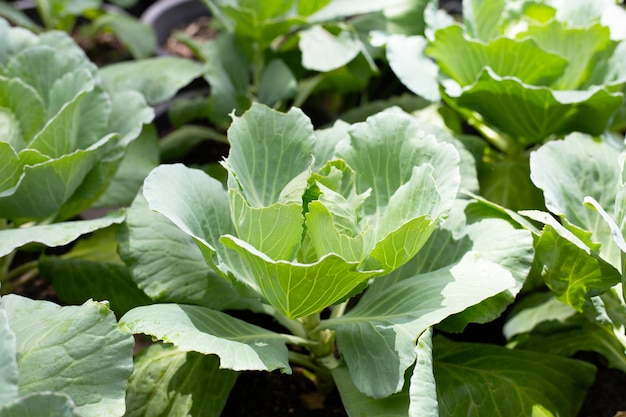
<point>8,361</point>
<point>438,284</point>
<point>305,240</point>
<point>500,100</point>
<point>492,380</point>
<point>568,171</point>
<point>76,350</point>
<point>167,264</point>
<point>52,235</point>
<point>240,345</point>
<point>166,380</point>
<point>158,79</point>
<point>41,405</point>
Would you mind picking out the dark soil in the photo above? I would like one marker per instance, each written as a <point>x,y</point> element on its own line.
<point>607,396</point>
<point>273,394</point>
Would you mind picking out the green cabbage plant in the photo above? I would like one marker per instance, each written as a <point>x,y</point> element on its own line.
<point>63,139</point>
<point>520,73</point>
<point>85,19</point>
<point>353,239</point>
<point>580,252</point>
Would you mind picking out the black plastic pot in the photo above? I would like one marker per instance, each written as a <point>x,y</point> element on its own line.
<point>165,16</point>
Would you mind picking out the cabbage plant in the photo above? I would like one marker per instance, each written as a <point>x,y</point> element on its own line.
<point>86,19</point>
<point>63,138</point>
<point>353,239</point>
<point>580,251</point>
<point>520,73</point>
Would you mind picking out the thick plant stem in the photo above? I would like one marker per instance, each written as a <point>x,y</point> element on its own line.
<point>5,264</point>
<point>324,348</point>
<point>339,310</point>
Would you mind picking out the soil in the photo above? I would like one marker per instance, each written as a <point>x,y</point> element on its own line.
<point>274,394</point>
<point>607,395</point>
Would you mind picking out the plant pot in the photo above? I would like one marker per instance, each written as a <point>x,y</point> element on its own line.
<point>166,16</point>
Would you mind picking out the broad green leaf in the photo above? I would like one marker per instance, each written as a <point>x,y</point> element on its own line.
<point>26,65</point>
<point>468,160</point>
<point>377,337</point>
<point>70,86</point>
<point>158,79</point>
<point>500,100</point>
<point>384,150</point>
<point>568,171</point>
<point>167,381</point>
<point>336,9</point>
<point>227,70</point>
<point>533,310</point>
<point>505,180</point>
<point>479,379</point>
<point>463,59</point>
<point>78,280</point>
<point>412,67</point>
<point>482,18</point>
<point>10,167</point>
<point>467,229</point>
<point>142,155</point>
<point>239,345</point>
<point>17,39</point>
<point>570,272</point>
<point>66,44</point>
<point>422,391</point>
<point>76,350</point>
<point>358,404</point>
<point>575,335</point>
<point>45,187</point>
<point>326,141</point>
<point>23,112</point>
<point>275,230</point>
<point>268,164</point>
<point>136,35</point>
<point>307,8</point>
<point>128,115</point>
<point>268,150</point>
<point>616,231</point>
<point>156,251</point>
<point>41,405</point>
<point>193,201</point>
<point>515,254</point>
<point>402,244</point>
<point>323,51</point>
<point>296,289</point>
<point>8,361</point>
<point>277,83</point>
<point>257,23</point>
<point>60,134</point>
<point>327,236</point>
<point>58,234</point>
<point>580,46</point>
<point>268,9</point>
